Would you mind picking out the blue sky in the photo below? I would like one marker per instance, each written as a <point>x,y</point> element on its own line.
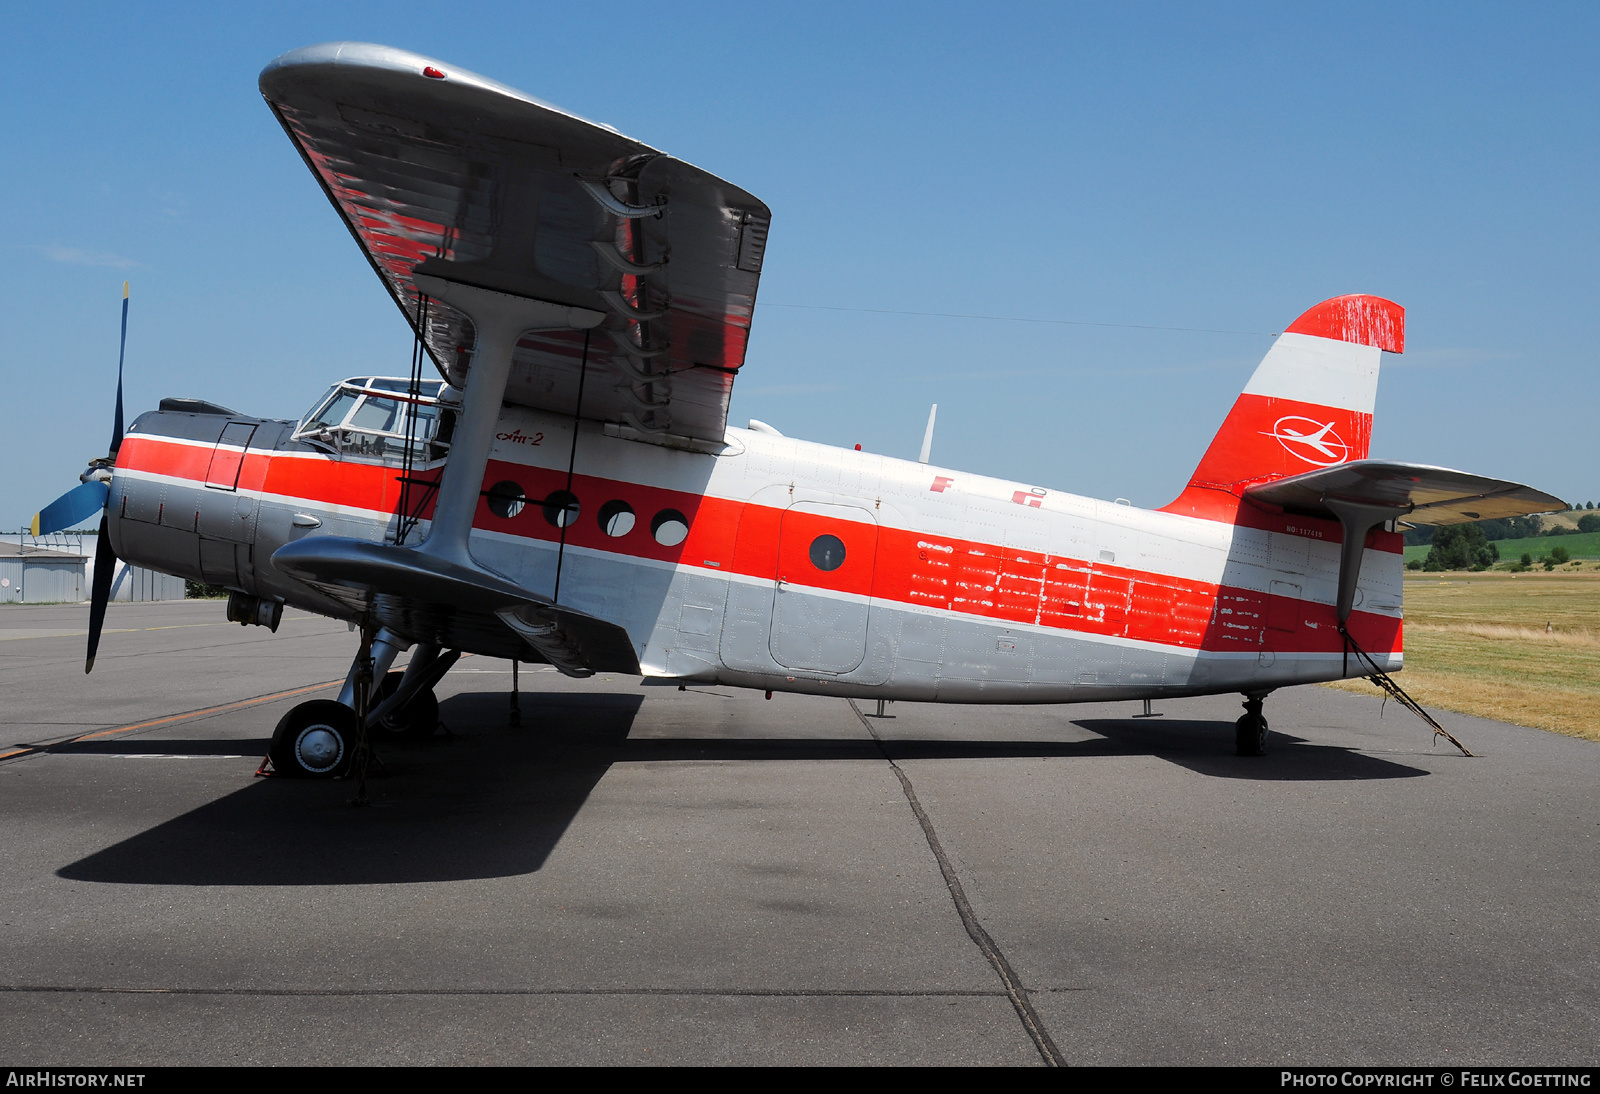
<point>1119,167</point>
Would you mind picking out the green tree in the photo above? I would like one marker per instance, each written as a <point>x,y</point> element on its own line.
<point>1460,547</point>
<point>1589,522</point>
<point>1560,556</point>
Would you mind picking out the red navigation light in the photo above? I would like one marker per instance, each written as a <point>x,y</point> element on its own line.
<point>432,73</point>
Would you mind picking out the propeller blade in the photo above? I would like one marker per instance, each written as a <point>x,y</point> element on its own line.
<point>71,508</point>
<point>122,351</point>
<point>105,567</point>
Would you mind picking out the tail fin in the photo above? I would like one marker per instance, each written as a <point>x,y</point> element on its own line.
<point>1309,404</point>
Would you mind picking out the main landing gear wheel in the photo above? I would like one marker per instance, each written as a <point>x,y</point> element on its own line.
<point>1250,731</point>
<point>315,740</point>
<point>416,721</point>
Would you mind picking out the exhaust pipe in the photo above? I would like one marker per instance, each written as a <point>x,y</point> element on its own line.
<point>248,611</point>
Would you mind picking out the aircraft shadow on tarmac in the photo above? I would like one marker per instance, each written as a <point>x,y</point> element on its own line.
<point>1206,748</point>
<point>492,801</point>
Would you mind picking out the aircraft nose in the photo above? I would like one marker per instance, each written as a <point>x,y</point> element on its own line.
<point>188,510</point>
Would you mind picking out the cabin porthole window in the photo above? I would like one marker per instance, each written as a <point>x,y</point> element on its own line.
<point>616,518</point>
<point>561,509</point>
<point>670,527</point>
<point>827,552</point>
<point>506,499</point>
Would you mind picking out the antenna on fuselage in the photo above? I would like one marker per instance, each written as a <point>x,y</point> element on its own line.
<point>927,437</point>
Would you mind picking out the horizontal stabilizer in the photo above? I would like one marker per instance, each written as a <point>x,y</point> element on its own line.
<point>432,600</point>
<point>1426,495</point>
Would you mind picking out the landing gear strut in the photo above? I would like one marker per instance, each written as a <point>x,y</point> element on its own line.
<point>321,739</point>
<point>1250,731</point>
<point>415,720</point>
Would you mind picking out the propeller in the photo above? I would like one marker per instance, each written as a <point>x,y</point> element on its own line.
<point>83,500</point>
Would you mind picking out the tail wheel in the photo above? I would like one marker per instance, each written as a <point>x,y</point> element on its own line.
<point>1250,735</point>
<point>416,721</point>
<point>315,740</point>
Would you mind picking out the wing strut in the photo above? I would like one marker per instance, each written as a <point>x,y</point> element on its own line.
<point>572,462</point>
<point>1357,519</point>
<point>499,320</point>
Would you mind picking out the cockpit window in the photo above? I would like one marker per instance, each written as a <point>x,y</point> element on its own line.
<point>376,415</point>
<point>312,415</point>
<point>371,416</point>
<point>334,412</point>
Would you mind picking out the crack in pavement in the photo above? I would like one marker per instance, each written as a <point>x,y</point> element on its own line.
<point>969,919</point>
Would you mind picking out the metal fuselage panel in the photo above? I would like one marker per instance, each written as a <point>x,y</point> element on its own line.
<point>804,567</point>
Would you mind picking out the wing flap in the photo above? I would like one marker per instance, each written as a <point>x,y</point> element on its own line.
<point>466,179</point>
<point>1428,495</point>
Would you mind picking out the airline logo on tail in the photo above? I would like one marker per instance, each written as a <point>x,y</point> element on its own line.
<point>1307,439</point>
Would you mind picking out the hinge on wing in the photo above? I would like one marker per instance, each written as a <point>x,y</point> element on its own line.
<point>621,262</point>
<point>638,423</point>
<point>622,306</point>
<point>642,403</point>
<point>625,344</point>
<point>600,190</point>
<point>626,366</point>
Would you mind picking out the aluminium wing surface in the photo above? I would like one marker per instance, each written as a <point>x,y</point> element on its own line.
<point>441,172</point>
<point>1428,495</point>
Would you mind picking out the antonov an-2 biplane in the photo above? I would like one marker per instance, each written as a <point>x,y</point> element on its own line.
<point>569,490</point>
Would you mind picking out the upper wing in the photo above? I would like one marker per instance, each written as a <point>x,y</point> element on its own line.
<point>439,171</point>
<point>1434,495</point>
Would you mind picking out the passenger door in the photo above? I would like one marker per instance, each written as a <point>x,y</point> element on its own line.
<point>824,586</point>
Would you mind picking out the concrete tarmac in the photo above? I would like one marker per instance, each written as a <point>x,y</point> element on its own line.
<point>642,875</point>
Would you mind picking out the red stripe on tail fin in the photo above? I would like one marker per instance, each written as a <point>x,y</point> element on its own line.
<point>1364,320</point>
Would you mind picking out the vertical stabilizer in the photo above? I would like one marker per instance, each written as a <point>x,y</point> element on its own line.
<point>1308,405</point>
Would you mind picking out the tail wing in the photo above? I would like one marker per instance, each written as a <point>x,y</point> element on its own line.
<point>1308,405</point>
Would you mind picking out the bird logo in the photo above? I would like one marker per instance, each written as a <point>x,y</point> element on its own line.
<point>1310,440</point>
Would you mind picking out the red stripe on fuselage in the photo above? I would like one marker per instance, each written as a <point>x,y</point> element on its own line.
<point>908,567</point>
<point>315,479</point>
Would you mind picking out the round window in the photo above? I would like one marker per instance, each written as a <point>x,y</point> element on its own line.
<point>827,552</point>
<point>506,499</point>
<point>670,527</point>
<point>561,508</point>
<point>616,518</point>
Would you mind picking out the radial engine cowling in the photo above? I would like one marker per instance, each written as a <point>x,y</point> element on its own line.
<point>190,508</point>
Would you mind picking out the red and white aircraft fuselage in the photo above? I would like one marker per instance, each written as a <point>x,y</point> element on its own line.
<point>775,563</point>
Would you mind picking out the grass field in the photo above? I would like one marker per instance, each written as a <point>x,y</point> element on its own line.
<point>1479,644</point>
<point>1582,545</point>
